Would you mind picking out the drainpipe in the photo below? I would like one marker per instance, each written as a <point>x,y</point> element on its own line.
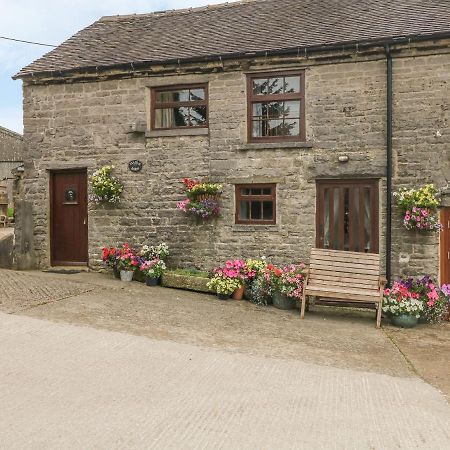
<point>388,163</point>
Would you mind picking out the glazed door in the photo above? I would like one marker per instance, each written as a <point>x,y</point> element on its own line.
<point>445,246</point>
<point>68,223</point>
<point>347,215</point>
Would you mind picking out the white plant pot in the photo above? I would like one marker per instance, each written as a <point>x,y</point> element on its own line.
<point>126,275</point>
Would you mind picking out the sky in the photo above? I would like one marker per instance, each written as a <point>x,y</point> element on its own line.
<point>52,22</point>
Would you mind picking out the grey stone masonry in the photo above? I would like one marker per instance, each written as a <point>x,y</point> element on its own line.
<point>84,122</point>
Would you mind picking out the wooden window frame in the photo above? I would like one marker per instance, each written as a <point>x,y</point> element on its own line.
<point>260,198</point>
<point>251,98</point>
<point>374,186</point>
<point>157,105</point>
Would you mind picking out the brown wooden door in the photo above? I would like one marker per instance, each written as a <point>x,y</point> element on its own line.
<point>68,229</point>
<point>347,215</point>
<point>445,246</point>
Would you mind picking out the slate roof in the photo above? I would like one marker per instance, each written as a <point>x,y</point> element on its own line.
<point>236,29</point>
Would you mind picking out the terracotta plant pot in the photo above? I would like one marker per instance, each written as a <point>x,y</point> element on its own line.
<point>238,294</point>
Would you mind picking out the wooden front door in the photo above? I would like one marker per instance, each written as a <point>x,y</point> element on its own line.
<point>445,246</point>
<point>347,215</point>
<point>68,224</point>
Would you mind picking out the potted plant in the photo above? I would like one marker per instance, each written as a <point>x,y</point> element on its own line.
<point>403,305</point>
<point>202,199</point>
<point>253,268</point>
<point>105,187</point>
<point>287,284</point>
<point>160,251</point>
<point>223,285</point>
<point>419,208</point>
<point>109,258</point>
<point>127,261</point>
<point>236,270</point>
<point>152,270</point>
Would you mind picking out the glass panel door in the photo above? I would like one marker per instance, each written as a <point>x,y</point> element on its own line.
<point>347,215</point>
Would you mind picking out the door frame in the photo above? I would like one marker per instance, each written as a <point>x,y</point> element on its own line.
<point>375,225</point>
<point>52,174</point>
<point>444,242</point>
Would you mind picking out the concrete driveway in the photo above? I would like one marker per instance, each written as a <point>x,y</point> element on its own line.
<point>186,371</point>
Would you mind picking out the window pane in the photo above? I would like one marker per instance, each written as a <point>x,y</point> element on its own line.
<point>181,95</point>
<point>291,127</point>
<point>256,210</point>
<point>245,191</point>
<point>291,84</point>
<point>198,115</point>
<point>326,219</point>
<point>197,94</point>
<point>259,109</point>
<point>275,109</point>
<point>275,86</point>
<point>244,210</point>
<point>260,86</point>
<point>268,210</point>
<point>257,130</point>
<point>274,128</point>
<point>255,191</point>
<point>164,118</point>
<point>291,109</point>
<point>267,191</point>
<point>181,116</point>
<point>336,218</point>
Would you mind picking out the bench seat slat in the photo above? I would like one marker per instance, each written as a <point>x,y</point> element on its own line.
<point>344,262</point>
<point>344,294</point>
<point>347,276</point>
<point>344,254</point>
<point>344,284</point>
<point>337,268</point>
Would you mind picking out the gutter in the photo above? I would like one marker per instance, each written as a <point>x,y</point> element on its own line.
<point>389,115</point>
<point>305,50</point>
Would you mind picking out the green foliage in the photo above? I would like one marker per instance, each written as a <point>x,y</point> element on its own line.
<point>105,187</point>
<point>10,212</point>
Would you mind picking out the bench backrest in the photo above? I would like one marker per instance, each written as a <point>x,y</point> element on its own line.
<point>344,269</point>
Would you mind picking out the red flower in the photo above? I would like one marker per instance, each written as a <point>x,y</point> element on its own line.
<point>270,266</point>
<point>278,272</point>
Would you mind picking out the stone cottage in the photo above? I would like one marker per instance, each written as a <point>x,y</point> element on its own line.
<point>309,113</point>
<point>11,156</point>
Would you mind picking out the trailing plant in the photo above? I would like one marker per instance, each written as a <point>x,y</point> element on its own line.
<point>105,187</point>
<point>434,299</point>
<point>260,291</point>
<point>419,207</point>
<point>401,300</point>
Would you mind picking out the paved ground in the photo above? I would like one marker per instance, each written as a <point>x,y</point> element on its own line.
<point>188,371</point>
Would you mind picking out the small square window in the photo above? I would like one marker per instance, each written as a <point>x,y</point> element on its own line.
<point>256,204</point>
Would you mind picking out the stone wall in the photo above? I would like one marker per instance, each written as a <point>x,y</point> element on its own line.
<point>86,124</point>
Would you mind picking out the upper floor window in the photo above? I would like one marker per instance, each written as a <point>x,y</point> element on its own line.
<point>276,106</point>
<point>179,107</point>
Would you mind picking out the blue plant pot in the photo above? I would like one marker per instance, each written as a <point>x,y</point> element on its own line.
<point>151,281</point>
<point>404,321</point>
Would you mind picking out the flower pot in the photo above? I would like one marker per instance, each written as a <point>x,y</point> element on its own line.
<point>282,301</point>
<point>223,296</point>
<point>238,293</point>
<point>404,320</point>
<point>422,319</point>
<point>151,281</point>
<point>116,272</point>
<point>126,275</point>
<point>248,292</point>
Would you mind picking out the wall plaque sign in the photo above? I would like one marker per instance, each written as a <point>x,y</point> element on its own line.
<point>135,165</point>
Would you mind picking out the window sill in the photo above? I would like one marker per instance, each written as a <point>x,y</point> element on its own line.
<point>252,228</point>
<point>275,145</point>
<point>177,132</point>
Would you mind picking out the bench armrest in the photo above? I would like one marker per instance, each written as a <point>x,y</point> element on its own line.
<point>382,282</point>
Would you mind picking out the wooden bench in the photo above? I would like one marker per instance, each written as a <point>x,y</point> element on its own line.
<point>345,277</point>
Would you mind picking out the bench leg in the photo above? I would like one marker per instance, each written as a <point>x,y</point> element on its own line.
<point>379,315</point>
<point>302,312</point>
